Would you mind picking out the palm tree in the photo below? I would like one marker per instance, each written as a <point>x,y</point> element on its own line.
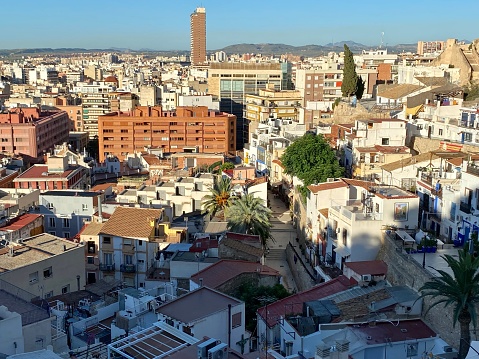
<point>249,215</point>
<point>461,290</point>
<point>220,197</point>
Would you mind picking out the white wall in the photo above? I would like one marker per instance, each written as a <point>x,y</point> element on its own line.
<point>11,338</point>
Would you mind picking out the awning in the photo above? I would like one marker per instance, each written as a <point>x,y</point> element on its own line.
<point>343,251</point>
<point>405,237</point>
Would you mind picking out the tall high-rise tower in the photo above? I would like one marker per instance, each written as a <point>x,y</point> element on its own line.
<point>198,36</point>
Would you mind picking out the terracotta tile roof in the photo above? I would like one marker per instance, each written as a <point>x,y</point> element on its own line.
<point>432,81</point>
<point>357,308</point>
<point>243,246</point>
<point>227,269</point>
<point>397,91</point>
<point>92,229</point>
<point>326,186</point>
<point>278,162</point>
<point>427,156</point>
<point>131,222</point>
<point>256,181</point>
<point>359,183</point>
<point>294,303</point>
<point>392,149</point>
<point>368,267</point>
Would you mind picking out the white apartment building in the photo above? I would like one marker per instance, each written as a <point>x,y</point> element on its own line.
<point>354,225</point>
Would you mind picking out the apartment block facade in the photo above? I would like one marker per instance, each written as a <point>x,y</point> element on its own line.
<point>231,82</point>
<point>188,129</point>
<point>29,131</point>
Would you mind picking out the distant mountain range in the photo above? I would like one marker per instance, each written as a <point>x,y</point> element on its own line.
<point>264,49</point>
<point>309,50</point>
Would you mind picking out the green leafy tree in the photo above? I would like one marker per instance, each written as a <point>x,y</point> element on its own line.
<point>360,88</point>
<point>249,215</point>
<point>250,292</point>
<point>311,159</point>
<point>350,78</point>
<point>460,290</point>
<point>219,197</point>
<point>92,147</point>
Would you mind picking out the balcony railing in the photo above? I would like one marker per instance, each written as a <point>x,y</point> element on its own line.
<point>107,267</point>
<point>473,169</point>
<point>128,268</point>
<point>465,207</point>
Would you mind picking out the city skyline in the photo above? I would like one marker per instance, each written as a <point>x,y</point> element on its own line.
<point>166,25</point>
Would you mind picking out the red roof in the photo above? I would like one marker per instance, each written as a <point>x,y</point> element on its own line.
<point>294,303</point>
<point>327,186</point>
<point>41,171</point>
<point>384,332</point>
<point>20,222</point>
<point>368,267</point>
<point>202,244</point>
<point>278,162</point>
<point>227,269</point>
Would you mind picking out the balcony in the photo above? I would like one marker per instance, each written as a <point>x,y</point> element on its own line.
<point>473,169</point>
<point>128,268</point>
<point>107,267</point>
<point>465,207</point>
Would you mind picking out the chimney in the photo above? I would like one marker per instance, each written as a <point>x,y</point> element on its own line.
<point>201,282</point>
<point>64,248</point>
<point>322,351</point>
<point>11,253</point>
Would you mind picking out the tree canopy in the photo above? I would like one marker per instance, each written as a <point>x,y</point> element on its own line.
<point>249,215</point>
<point>311,159</point>
<point>219,197</point>
<point>360,88</point>
<point>459,290</point>
<point>349,85</point>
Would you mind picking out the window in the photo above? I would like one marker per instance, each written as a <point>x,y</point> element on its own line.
<point>66,222</point>
<point>345,237</point>
<point>91,246</point>
<point>33,277</point>
<point>128,259</point>
<point>385,141</point>
<point>106,240</point>
<point>376,208</point>
<point>90,260</point>
<point>49,294</point>
<point>66,289</point>
<point>66,235</point>
<point>140,242</point>
<point>440,132</point>
<point>127,242</point>
<point>51,221</point>
<point>108,258</point>
<point>53,233</point>
<point>50,205</point>
<point>84,207</point>
<point>47,272</point>
<point>235,320</point>
<point>467,137</point>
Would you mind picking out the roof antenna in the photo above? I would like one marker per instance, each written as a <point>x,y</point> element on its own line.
<point>382,37</point>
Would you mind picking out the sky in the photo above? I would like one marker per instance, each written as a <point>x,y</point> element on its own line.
<point>165,24</point>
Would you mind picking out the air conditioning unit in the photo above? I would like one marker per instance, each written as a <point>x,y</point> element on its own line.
<point>218,352</point>
<point>366,277</point>
<point>205,346</point>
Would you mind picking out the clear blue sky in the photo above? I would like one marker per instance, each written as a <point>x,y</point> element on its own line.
<point>164,24</point>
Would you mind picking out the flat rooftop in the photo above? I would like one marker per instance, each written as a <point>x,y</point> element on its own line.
<point>70,193</point>
<point>30,313</point>
<point>34,249</point>
<point>389,191</point>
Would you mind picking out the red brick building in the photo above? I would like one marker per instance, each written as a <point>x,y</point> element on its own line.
<point>188,129</point>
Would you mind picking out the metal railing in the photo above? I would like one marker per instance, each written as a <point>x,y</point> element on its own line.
<point>128,268</point>
<point>107,267</point>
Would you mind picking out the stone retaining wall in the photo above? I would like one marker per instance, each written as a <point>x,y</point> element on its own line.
<point>404,270</point>
<point>302,276</point>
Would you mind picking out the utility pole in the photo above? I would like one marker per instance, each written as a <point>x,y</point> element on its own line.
<point>265,299</point>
